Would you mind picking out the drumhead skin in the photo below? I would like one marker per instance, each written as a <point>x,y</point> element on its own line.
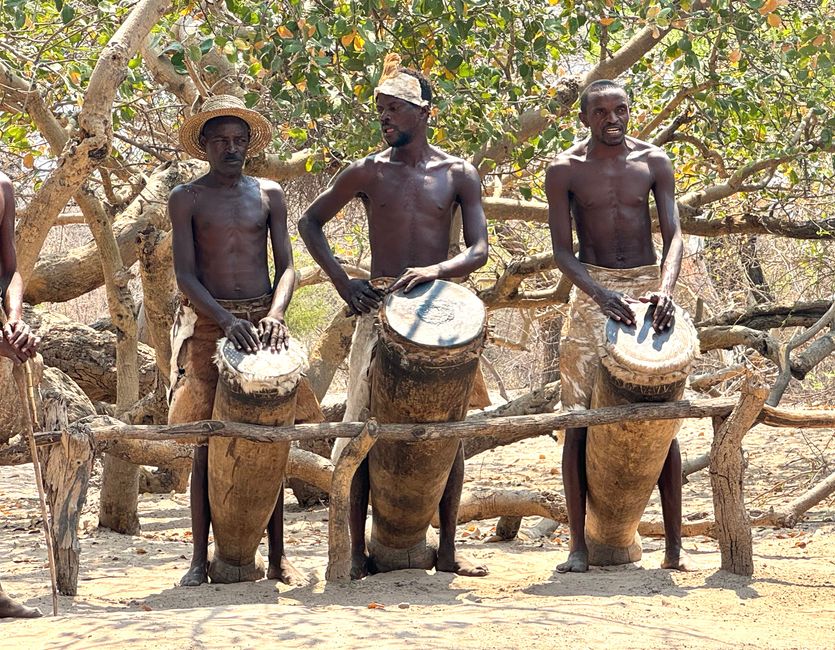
<point>639,354</point>
<point>435,314</point>
<point>262,370</point>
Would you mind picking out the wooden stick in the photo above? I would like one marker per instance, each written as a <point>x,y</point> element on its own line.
<point>339,538</point>
<point>26,389</point>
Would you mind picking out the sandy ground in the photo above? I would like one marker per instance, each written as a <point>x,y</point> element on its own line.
<point>128,598</point>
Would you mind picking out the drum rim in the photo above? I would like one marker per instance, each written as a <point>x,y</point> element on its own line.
<point>389,328</point>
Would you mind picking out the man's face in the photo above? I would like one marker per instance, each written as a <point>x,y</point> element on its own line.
<point>399,119</point>
<point>226,141</point>
<point>607,115</point>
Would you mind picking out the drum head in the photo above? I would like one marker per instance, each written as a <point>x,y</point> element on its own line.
<point>264,364</point>
<point>439,314</point>
<point>646,352</point>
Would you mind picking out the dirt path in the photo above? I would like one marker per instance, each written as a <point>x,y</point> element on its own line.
<point>127,594</point>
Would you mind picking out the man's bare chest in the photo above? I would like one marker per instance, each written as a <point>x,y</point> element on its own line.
<point>219,216</point>
<point>602,185</point>
<point>419,192</point>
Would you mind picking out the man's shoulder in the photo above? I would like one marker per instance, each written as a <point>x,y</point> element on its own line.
<point>266,184</point>
<point>646,148</point>
<point>185,197</point>
<point>5,180</point>
<point>565,160</point>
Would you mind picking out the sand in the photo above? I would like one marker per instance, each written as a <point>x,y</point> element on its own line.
<point>128,595</point>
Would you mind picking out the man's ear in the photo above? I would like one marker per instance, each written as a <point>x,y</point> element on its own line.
<point>424,112</point>
<point>583,119</point>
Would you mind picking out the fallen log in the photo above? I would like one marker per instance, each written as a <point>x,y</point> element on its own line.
<point>88,357</point>
<point>769,315</point>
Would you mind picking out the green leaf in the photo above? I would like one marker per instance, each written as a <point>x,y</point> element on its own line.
<point>67,13</point>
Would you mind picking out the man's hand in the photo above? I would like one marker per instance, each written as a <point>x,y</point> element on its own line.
<point>243,335</point>
<point>10,352</point>
<point>19,337</point>
<point>412,277</point>
<point>360,296</point>
<point>274,333</point>
<point>616,306</point>
<point>662,317</point>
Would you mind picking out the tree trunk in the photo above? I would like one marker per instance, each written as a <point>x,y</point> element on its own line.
<point>68,467</point>
<point>11,413</point>
<point>158,290</point>
<point>329,352</point>
<point>89,143</point>
<point>726,478</point>
<point>760,291</point>
<point>339,541</point>
<point>120,480</point>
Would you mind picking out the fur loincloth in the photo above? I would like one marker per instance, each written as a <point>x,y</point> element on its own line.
<point>582,333</point>
<point>194,374</point>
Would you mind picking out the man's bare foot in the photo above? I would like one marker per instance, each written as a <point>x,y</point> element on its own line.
<point>285,572</point>
<point>196,575</point>
<point>12,609</point>
<point>359,566</point>
<point>679,560</point>
<point>577,562</point>
<point>459,565</point>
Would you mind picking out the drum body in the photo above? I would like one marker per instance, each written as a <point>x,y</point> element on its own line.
<point>245,476</point>
<point>423,371</point>
<point>624,460</point>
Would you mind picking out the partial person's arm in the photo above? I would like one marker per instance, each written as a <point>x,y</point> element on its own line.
<point>474,223</point>
<point>272,327</point>
<point>359,295</point>
<point>19,344</point>
<point>663,190</point>
<point>557,189</point>
<point>181,204</point>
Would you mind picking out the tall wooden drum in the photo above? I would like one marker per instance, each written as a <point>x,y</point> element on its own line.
<point>423,371</point>
<point>624,460</point>
<point>244,476</point>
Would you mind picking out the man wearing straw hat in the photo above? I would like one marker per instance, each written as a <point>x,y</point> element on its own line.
<point>410,192</point>
<point>220,224</point>
<point>16,341</point>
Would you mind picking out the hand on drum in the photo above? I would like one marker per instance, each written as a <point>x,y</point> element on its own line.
<point>412,277</point>
<point>662,317</point>
<point>243,335</point>
<point>616,306</point>
<point>361,297</point>
<point>274,333</point>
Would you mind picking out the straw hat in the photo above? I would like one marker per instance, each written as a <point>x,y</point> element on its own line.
<point>260,130</point>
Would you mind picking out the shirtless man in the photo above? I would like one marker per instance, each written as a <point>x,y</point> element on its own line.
<point>604,184</point>
<point>410,192</point>
<point>220,224</point>
<point>17,341</point>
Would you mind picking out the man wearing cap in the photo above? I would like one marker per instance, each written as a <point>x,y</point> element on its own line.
<point>220,223</point>
<point>410,192</point>
<point>16,339</point>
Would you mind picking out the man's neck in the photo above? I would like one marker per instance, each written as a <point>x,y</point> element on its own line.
<point>218,179</point>
<point>595,149</point>
<point>413,153</point>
